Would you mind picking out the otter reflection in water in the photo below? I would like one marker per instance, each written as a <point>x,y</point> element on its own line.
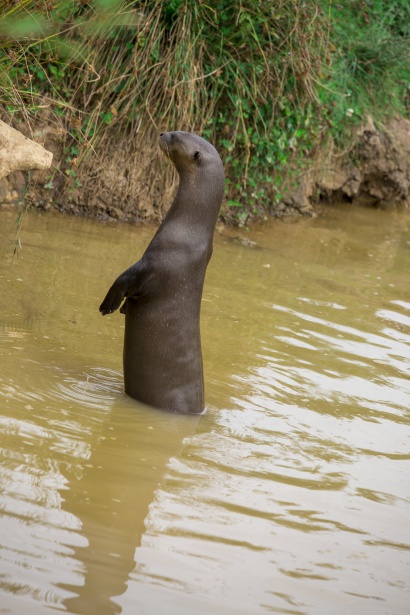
<point>112,498</point>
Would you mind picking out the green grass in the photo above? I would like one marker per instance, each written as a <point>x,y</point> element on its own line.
<point>370,62</point>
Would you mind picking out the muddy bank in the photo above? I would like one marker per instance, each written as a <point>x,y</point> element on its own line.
<point>374,171</point>
<point>129,180</point>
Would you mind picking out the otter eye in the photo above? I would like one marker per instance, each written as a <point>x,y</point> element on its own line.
<point>197,155</point>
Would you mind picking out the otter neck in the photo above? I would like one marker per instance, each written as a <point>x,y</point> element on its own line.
<point>197,201</point>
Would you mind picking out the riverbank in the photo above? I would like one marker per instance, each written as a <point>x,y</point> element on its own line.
<point>374,172</point>
<point>302,102</point>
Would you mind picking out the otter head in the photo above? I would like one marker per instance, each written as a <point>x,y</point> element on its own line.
<point>190,153</point>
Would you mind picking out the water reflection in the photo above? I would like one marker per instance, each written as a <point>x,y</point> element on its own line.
<point>112,494</point>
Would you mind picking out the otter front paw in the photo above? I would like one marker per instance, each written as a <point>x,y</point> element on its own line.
<point>112,300</point>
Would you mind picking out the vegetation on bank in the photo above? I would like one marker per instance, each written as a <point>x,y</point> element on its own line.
<point>266,82</point>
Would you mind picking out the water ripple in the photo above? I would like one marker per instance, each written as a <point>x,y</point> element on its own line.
<point>95,389</point>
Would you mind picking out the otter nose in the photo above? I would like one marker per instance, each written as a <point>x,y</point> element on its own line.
<point>162,133</point>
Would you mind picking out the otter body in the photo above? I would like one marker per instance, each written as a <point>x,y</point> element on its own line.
<point>162,343</point>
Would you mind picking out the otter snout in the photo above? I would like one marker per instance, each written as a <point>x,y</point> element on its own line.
<point>165,139</point>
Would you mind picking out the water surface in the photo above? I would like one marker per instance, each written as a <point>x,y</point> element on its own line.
<point>291,495</point>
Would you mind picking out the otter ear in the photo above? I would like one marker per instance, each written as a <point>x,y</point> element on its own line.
<point>197,155</point>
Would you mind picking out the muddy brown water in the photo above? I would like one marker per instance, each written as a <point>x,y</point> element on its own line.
<point>290,495</point>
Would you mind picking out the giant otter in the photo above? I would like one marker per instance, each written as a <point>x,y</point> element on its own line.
<point>162,344</point>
